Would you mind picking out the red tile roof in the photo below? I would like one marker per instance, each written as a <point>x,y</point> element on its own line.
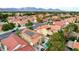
<point>26,48</point>
<point>59,23</point>
<point>46,19</point>
<point>57,18</point>
<point>13,40</point>
<point>35,37</point>
<point>55,28</point>
<point>18,20</point>
<point>76,45</point>
<point>43,27</point>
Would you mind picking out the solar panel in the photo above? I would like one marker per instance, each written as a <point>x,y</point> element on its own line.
<point>37,25</point>
<point>30,33</point>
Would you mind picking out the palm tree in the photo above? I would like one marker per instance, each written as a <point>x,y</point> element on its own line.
<point>56,42</point>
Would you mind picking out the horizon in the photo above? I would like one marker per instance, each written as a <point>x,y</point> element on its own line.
<point>62,9</point>
<point>66,5</point>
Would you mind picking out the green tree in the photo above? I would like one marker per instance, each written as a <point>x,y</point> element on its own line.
<point>3,17</point>
<point>8,26</point>
<point>71,27</point>
<point>39,19</point>
<point>56,42</point>
<point>29,25</point>
<point>13,14</point>
<point>18,32</point>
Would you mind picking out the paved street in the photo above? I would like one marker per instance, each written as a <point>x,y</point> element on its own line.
<point>5,35</point>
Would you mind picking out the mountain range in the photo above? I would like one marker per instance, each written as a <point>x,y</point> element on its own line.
<point>26,9</point>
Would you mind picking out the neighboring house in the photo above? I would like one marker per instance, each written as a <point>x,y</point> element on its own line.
<point>56,18</point>
<point>70,44</point>
<point>22,20</point>
<point>15,43</point>
<point>44,29</point>
<point>32,37</point>
<point>59,23</point>
<point>40,15</point>
<point>70,20</point>
<point>32,18</point>
<point>18,20</point>
<point>73,44</point>
<point>11,19</point>
<point>55,28</point>
<point>76,44</point>
<point>45,20</point>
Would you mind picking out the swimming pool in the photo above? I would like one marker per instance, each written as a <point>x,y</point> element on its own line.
<point>45,45</point>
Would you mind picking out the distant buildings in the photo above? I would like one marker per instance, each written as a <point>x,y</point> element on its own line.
<point>18,20</point>
<point>56,18</point>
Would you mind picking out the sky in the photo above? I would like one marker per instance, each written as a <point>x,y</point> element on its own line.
<point>69,5</point>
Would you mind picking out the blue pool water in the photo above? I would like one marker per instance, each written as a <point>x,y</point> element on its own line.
<point>46,45</point>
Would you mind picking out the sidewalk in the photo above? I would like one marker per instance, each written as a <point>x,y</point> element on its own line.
<point>8,31</point>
